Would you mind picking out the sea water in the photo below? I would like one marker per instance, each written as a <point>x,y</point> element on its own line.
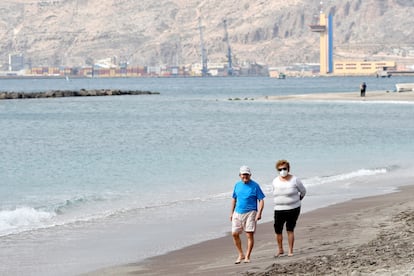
<point>89,182</point>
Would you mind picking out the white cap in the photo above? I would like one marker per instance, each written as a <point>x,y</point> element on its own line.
<point>245,170</point>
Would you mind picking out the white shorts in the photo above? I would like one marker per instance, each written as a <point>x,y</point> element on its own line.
<point>246,222</point>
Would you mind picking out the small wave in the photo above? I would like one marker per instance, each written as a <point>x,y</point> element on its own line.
<point>85,209</point>
<point>60,209</point>
<point>74,203</point>
<point>29,218</point>
<point>314,181</point>
<point>22,219</point>
<point>218,196</point>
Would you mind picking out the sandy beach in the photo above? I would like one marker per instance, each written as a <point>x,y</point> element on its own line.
<point>347,96</point>
<point>367,236</point>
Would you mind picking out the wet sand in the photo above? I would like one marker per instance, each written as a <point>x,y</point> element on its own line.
<point>367,236</point>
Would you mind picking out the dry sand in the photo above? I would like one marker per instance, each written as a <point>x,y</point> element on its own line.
<point>368,236</point>
<point>348,96</point>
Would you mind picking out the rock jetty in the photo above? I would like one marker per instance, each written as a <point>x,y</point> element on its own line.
<point>72,93</point>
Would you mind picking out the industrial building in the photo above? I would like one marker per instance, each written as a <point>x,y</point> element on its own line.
<point>377,68</point>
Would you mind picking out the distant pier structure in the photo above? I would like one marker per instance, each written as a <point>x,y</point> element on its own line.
<point>325,30</point>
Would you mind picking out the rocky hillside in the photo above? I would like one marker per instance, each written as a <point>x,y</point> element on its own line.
<point>147,32</point>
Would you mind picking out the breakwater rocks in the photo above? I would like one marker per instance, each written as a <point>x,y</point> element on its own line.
<point>72,93</point>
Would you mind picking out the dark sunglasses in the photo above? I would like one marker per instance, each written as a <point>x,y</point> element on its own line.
<point>282,169</point>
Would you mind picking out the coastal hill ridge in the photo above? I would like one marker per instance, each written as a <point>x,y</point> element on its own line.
<point>167,32</point>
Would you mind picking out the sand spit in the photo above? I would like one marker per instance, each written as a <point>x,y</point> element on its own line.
<point>346,96</point>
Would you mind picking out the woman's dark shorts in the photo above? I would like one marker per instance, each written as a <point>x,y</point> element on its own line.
<point>286,216</point>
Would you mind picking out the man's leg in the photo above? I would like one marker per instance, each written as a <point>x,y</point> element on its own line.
<point>250,244</point>
<point>237,243</point>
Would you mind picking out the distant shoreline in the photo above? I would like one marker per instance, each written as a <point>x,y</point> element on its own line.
<point>72,93</point>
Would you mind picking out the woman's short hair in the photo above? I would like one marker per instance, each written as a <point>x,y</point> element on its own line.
<point>282,163</point>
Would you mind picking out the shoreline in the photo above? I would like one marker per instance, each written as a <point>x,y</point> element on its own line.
<point>370,96</point>
<point>329,240</point>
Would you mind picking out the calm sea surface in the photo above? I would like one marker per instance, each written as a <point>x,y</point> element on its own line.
<point>98,181</point>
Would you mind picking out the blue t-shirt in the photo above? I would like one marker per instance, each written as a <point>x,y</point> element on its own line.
<point>247,195</point>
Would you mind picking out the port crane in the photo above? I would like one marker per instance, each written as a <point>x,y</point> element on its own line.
<point>229,60</point>
<point>204,69</point>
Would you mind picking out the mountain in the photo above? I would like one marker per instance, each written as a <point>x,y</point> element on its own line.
<point>147,32</point>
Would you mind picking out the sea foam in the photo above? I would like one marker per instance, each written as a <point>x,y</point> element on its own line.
<point>22,219</point>
<point>320,180</point>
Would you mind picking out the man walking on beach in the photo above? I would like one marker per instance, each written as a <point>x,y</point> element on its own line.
<point>245,213</point>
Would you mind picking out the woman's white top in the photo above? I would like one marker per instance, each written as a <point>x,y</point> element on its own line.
<point>287,194</point>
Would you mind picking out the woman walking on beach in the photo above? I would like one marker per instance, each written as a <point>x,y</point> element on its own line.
<point>288,191</point>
